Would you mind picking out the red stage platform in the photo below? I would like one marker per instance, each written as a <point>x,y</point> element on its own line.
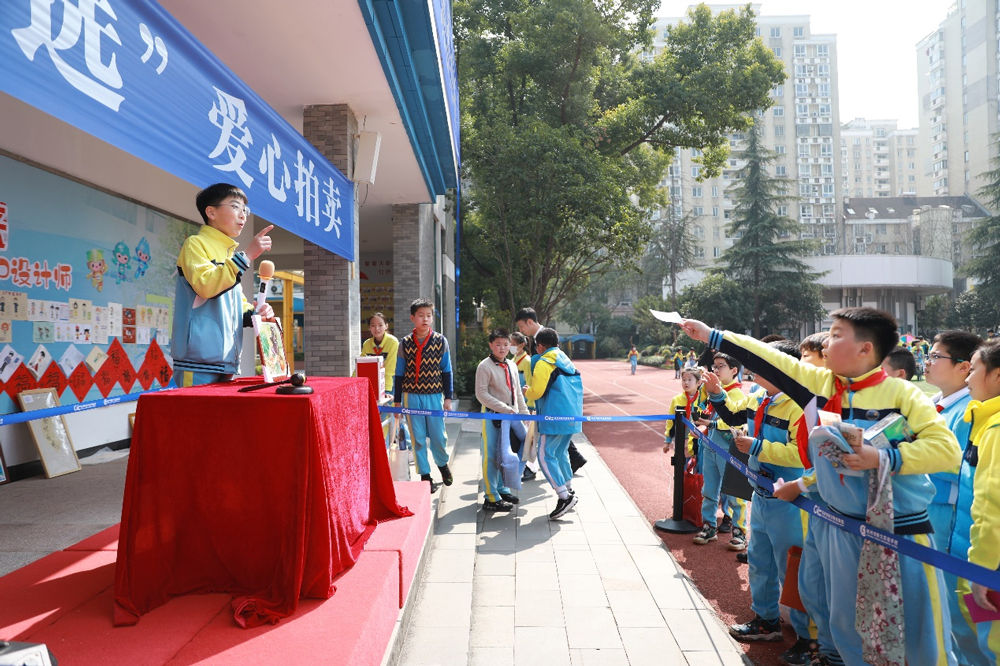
<point>65,600</point>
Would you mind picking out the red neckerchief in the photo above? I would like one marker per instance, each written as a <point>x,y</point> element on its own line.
<point>687,407</point>
<point>758,418</point>
<point>939,408</point>
<point>725,389</point>
<point>420,353</point>
<point>833,403</point>
<point>377,346</point>
<point>519,358</point>
<point>506,376</point>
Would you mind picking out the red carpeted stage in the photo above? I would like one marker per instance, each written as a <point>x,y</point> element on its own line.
<point>241,510</point>
<point>65,600</point>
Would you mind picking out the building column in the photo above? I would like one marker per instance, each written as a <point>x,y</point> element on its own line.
<point>332,284</point>
<point>412,260</point>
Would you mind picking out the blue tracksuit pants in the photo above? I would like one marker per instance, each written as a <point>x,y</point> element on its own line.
<point>424,428</point>
<point>713,466</point>
<point>775,526</point>
<point>634,362</point>
<point>553,458</point>
<point>491,473</point>
<point>812,592</point>
<point>942,520</point>
<point>925,611</point>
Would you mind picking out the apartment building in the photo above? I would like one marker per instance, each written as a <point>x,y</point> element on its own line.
<point>957,72</point>
<point>802,127</point>
<point>880,160</point>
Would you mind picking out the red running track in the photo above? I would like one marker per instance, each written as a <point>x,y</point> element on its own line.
<point>634,452</point>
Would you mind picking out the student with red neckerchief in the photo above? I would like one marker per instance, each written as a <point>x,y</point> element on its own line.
<point>854,386</point>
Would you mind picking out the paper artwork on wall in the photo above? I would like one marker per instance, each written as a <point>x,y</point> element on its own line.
<point>128,316</point>
<point>5,331</point>
<point>39,361</point>
<point>43,332</point>
<point>95,359</point>
<point>142,336</point>
<point>9,361</point>
<point>13,305</point>
<point>128,335</point>
<point>115,320</point>
<point>71,358</point>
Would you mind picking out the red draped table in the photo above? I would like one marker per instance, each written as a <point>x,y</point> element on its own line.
<point>266,497</point>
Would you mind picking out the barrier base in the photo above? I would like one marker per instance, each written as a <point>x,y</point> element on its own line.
<point>675,526</point>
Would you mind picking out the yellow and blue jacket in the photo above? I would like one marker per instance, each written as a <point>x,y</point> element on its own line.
<point>210,310</point>
<point>698,407</point>
<point>984,535</point>
<point>780,450</point>
<point>557,389</point>
<point>523,363</point>
<point>934,448</point>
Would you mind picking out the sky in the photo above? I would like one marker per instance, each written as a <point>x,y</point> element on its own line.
<point>876,44</point>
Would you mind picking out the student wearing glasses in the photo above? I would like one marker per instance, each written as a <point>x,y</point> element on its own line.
<point>210,309</point>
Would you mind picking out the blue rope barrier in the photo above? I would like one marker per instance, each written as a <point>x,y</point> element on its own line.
<point>22,417</point>
<point>936,558</point>
<point>489,416</point>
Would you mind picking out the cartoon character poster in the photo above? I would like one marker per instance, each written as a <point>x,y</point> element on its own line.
<point>72,261</point>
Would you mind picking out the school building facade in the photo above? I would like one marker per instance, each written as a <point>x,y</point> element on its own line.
<point>339,120</point>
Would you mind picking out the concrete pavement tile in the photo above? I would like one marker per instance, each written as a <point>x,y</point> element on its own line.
<point>697,630</point>
<point>499,563</point>
<point>534,551</point>
<point>635,608</point>
<point>601,533</point>
<point>450,566</point>
<point>581,591</point>
<point>629,522</point>
<point>610,554</point>
<point>492,626</point>
<point>675,592</point>
<point>564,537</point>
<point>604,657</point>
<point>536,576</point>
<point>491,656</point>
<point>456,521</point>
<point>505,541</point>
<point>462,541</point>
<point>575,562</point>
<point>540,645</point>
<point>443,605</point>
<point>646,646</point>
<point>493,591</point>
<point>591,627</point>
<point>712,658</point>
<point>538,608</point>
<point>591,511</point>
<point>639,537</point>
<point>429,646</point>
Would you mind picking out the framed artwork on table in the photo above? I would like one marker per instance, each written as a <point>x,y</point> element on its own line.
<point>51,435</point>
<point>271,348</point>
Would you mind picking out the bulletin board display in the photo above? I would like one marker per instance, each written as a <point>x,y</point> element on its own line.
<point>376,290</point>
<point>86,289</point>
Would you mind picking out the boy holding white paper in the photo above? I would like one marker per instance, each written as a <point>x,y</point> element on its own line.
<point>854,386</point>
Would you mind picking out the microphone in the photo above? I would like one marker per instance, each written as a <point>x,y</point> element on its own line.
<point>266,272</point>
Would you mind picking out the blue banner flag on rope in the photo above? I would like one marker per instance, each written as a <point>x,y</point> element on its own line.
<point>130,74</point>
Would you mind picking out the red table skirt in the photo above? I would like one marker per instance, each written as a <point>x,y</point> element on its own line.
<point>263,496</point>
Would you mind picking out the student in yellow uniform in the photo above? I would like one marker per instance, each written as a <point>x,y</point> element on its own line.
<point>854,386</point>
<point>983,454</point>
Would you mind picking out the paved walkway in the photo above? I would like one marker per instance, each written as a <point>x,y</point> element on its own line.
<point>597,587</point>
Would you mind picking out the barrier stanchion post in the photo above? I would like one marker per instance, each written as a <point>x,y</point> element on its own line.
<point>677,524</point>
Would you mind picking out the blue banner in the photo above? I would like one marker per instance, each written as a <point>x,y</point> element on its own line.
<point>128,73</point>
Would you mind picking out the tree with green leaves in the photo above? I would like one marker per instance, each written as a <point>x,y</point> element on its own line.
<point>782,289</point>
<point>671,251</point>
<point>566,134</point>
<point>719,302</point>
<point>984,237</point>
